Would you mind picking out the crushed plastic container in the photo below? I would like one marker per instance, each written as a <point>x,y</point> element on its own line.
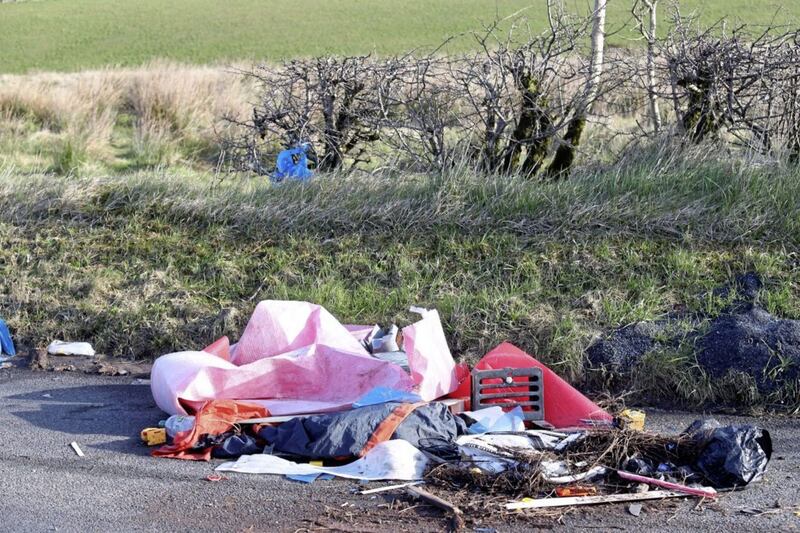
<point>178,424</point>
<point>154,436</point>
<point>385,340</point>
<point>633,419</point>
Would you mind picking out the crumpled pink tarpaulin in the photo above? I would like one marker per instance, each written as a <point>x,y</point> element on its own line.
<point>295,357</point>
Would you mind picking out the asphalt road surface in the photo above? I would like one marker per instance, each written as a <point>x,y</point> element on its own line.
<point>117,486</point>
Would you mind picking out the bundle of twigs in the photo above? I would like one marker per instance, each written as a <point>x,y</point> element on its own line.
<point>518,481</point>
<point>482,494</point>
<point>613,446</point>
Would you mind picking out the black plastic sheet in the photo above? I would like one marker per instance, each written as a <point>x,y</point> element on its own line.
<point>345,434</point>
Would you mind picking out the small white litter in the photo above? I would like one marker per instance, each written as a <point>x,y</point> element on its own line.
<point>556,472</point>
<point>70,348</point>
<point>77,449</point>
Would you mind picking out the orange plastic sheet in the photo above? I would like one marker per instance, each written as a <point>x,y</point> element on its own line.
<point>213,418</point>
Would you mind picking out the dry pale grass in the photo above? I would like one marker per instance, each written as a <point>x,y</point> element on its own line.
<point>181,105</point>
<point>184,97</point>
<point>171,111</point>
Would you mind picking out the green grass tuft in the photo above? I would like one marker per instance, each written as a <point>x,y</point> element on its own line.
<point>69,156</point>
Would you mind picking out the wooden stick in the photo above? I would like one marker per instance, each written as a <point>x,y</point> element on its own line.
<point>277,419</point>
<point>593,500</point>
<point>457,520</point>
<point>391,487</point>
<point>706,492</point>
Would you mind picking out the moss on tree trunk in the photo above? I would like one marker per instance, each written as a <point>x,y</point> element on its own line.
<point>701,120</point>
<point>565,154</point>
<point>530,132</point>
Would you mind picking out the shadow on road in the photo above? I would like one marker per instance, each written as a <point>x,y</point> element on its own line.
<point>114,410</point>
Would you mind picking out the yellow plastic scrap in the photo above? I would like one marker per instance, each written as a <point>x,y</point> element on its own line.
<point>525,500</point>
<point>154,436</point>
<point>633,419</point>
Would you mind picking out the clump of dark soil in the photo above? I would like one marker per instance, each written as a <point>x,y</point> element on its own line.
<point>753,342</point>
<point>624,347</point>
<point>744,338</point>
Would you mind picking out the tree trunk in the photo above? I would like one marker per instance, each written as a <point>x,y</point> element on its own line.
<point>565,155</point>
<point>655,113</point>
<point>598,54</point>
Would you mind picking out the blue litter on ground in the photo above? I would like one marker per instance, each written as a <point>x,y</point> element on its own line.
<point>6,344</point>
<point>292,164</point>
<point>309,478</point>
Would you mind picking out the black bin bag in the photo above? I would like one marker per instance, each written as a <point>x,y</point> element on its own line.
<point>730,456</point>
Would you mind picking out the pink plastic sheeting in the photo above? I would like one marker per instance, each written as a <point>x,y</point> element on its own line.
<point>295,357</point>
<point>435,376</point>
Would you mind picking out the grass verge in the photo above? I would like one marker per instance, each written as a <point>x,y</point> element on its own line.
<point>155,262</point>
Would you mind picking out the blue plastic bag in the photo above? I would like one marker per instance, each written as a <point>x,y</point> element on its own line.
<point>292,164</point>
<point>6,344</point>
<point>384,395</point>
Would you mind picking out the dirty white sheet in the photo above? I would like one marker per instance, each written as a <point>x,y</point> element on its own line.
<point>390,460</point>
<point>529,441</point>
<point>489,453</point>
<point>486,451</point>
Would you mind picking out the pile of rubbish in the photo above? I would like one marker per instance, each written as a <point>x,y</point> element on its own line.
<point>304,396</point>
<point>538,469</point>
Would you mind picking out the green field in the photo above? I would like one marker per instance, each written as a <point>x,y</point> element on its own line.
<point>67,35</point>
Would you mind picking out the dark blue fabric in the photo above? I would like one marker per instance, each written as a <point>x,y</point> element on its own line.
<point>236,445</point>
